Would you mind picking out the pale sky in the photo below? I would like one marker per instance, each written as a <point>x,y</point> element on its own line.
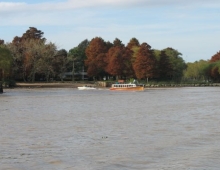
<point>190,26</point>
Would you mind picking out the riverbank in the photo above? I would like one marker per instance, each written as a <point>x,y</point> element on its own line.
<point>49,85</point>
<point>101,84</point>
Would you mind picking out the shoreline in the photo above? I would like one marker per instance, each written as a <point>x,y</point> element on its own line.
<point>49,85</point>
<point>79,84</point>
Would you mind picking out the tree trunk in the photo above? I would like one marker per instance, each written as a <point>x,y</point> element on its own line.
<point>1,88</point>
<point>47,76</point>
<point>73,72</point>
<point>61,77</point>
<point>3,75</point>
<point>33,77</point>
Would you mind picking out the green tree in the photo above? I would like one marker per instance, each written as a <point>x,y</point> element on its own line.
<point>133,45</point>
<point>33,33</point>
<point>82,53</point>
<point>45,63</point>
<point>5,61</point>
<point>60,61</point>
<point>165,67</point>
<point>77,57</point>
<point>74,57</point>
<point>157,54</point>
<point>197,70</point>
<point>177,63</point>
<point>2,42</point>
<point>118,43</point>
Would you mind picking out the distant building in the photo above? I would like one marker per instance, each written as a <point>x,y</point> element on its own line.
<point>77,76</point>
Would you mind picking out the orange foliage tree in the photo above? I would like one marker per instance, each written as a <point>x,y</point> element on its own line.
<point>215,57</point>
<point>119,60</point>
<point>96,54</point>
<point>214,69</point>
<point>145,63</point>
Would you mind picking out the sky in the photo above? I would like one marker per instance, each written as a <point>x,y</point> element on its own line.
<point>191,27</point>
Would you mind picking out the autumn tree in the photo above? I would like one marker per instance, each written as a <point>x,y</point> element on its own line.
<point>215,57</point>
<point>96,53</point>
<point>119,60</point>
<point>214,68</point>
<point>19,47</point>
<point>33,54</point>
<point>214,71</point>
<point>145,63</point>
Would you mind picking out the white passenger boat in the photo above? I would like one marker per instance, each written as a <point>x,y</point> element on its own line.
<point>87,87</point>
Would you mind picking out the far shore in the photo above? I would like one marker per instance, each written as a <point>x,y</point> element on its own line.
<point>49,84</point>
<point>76,84</point>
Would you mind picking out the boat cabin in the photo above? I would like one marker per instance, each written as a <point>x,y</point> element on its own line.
<point>123,85</point>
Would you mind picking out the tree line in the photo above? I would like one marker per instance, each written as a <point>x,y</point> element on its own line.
<point>30,57</point>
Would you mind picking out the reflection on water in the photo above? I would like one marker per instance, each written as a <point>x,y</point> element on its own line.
<point>158,129</point>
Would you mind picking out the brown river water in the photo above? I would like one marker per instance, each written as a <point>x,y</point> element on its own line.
<point>69,129</point>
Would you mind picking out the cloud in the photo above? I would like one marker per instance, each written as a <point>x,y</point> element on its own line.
<point>76,4</point>
<point>10,6</point>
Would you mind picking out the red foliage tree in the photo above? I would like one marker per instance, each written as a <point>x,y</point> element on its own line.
<point>145,63</point>
<point>214,73</point>
<point>215,57</point>
<point>95,53</point>
<point>119,61</point>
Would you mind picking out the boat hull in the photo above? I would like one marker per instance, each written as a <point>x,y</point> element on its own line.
<point>139,88</point>
<point>86,88</point>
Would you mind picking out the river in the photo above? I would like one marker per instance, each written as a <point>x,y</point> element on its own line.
<point>69,129</point>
